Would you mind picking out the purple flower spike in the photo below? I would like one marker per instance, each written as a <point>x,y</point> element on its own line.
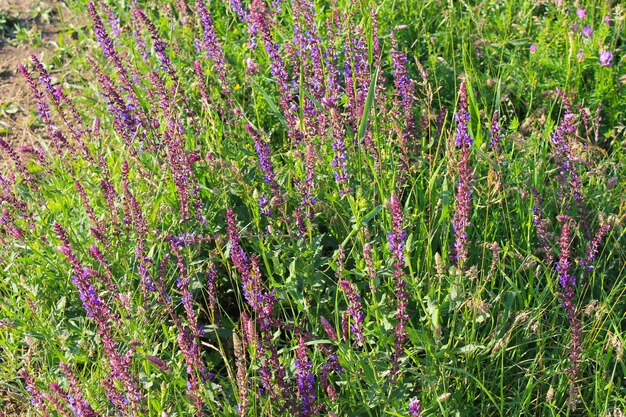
<point>396,244</point>
<point>568,284</point>
<point>581,13</point>
<point>403,103</point>
<point>396,237</point>
<point>494,142</point>
<point>533,48</point>
<point>114,21</point>
<point>306,380</point>
<point>464,187</point>
<point>587,31</point>
<point>264,154</point>
<point>329,329</point>
<point>592,250</point>
<point>611,183</point>
<point>75,397</point>
<point>330,366</point>
<point>239,10</point>
<point>36,396</point>
<point>213,47</point>
<point>415,407</point>
<point>159,363</point>
<point>264,206</point>
<point>606,58</point>
<point>463,139</point>
<point>354,313</point>
<point>340,159</point>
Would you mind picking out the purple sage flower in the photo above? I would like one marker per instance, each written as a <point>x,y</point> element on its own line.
<point>264,155</point>
<point>354,313</point>
<point>306,380</point>
<point>415,407</point>
<point>114,21</point>
<point>36,397</point>
<point>159,363</point>
<point>495,137</point>
<point>540,224</point>
<point>213,47</point>
<point>331,365</point>
<point>611,183</point>
<point>568,285</point>
<point>329,329</point>
<point>587,31</point>
<point>75,398</point>
<point>581,13</point>
<point>396,244</point>
<point>264,205</point>
<point>239,10</point>
<point>403,103</point>
<point>533,48</point>
<point>592,250</point>
<point>606,58</point>
<point>464,188</point>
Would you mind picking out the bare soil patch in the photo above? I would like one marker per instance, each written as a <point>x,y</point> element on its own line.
<point>31,27</point>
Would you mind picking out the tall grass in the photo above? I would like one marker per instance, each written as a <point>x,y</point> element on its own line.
<point>322,208</point>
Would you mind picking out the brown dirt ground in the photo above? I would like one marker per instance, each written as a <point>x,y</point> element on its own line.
<point>17,105</point>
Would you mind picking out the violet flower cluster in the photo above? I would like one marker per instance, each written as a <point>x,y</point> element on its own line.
<point>403,103</point>
<point>592,249</point>
<point>568,285</point>
<point>189,336</point>
<point>130,397</point>
<point>211,286</point>
<point>272,372</point>
<point>308,188</point>
<point>264,154</point>
<point>108,48</point>
<point>396,244</point>
<point>606,58</point>
<point>43,109</point>
<point>539,223</point>
<point>135,218</point>
<point>354,315</point>
<point>463,205</point>
<point>240,346</point>
<point>308,48</point>
<point>213,47</point>
<point>260,22</point>
<point>125,122</point>
<point>340,158</point>
<point>415,407</point>
<point>183,173</point>
<point>305,380</point>
<point>568,174</point>
<point>356,75</point>
<point>36,396</point>
<point>75,400</point>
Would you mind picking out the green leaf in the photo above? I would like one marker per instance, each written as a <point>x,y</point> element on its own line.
<point>368,105</point>
<point>271,103</point>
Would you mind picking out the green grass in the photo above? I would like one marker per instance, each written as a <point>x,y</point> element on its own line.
<point>487,336</point>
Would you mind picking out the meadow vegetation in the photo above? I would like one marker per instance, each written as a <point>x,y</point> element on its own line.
<point>341,208</point>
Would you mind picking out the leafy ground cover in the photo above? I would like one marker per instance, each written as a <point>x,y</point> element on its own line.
<point>320,208</point>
